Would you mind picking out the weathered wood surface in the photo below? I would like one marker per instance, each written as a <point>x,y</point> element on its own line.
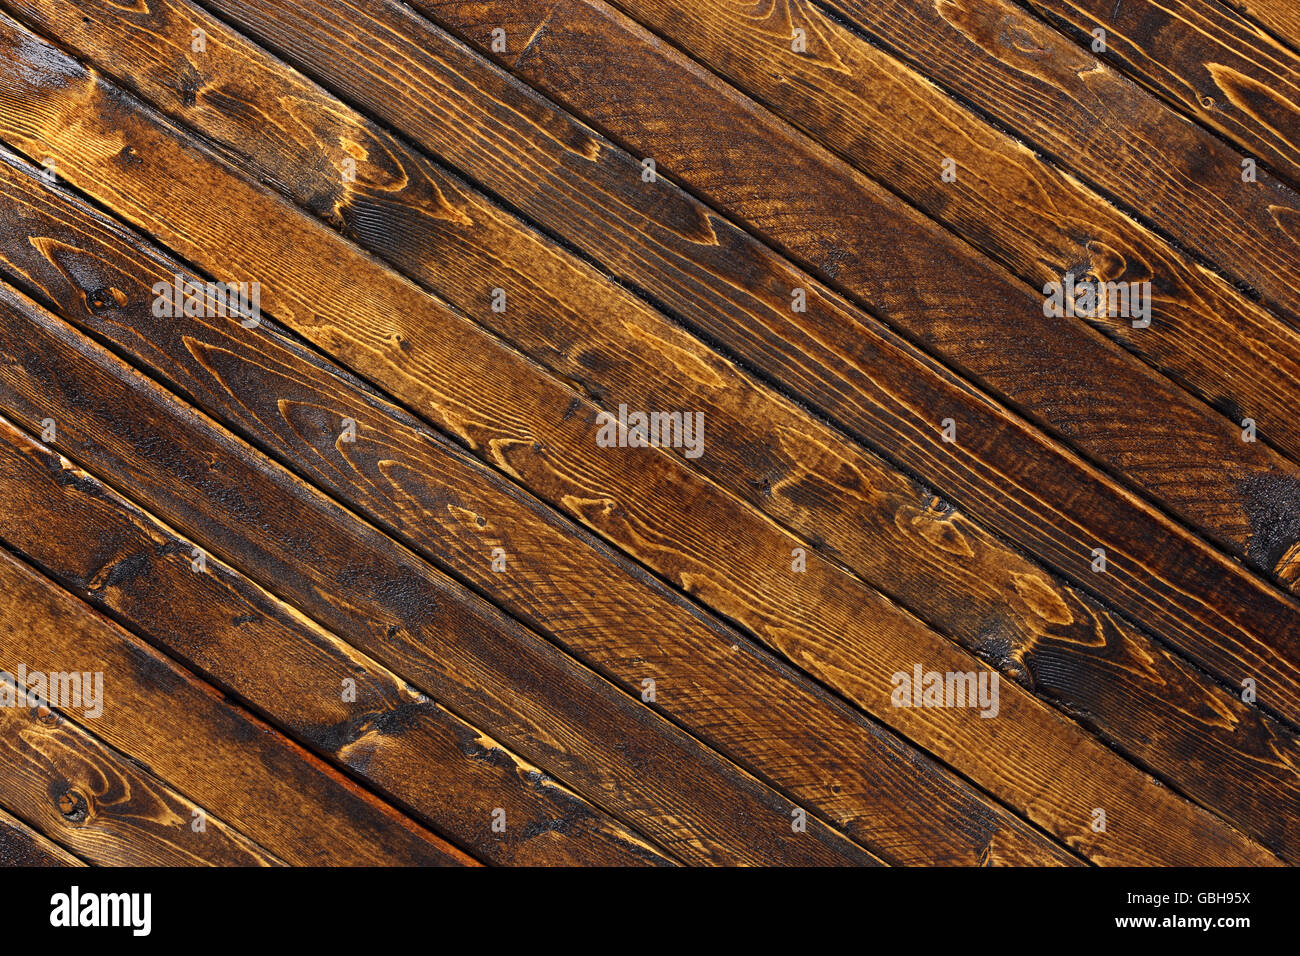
<point>1094,120</point>
<point>840,362</point>
<point>1170,446</point>
<point>1215,66</point>
<point>1282,17</point>
<point>235,766</point>
<point>407,480</point>
<point>898,549</point>
<point>101,804</point>
<point>387,602</point>
<point>840,623</point>
<point>445,531</point>
<point>1204,334</point>
<point>233,632</point>
<point>20,845</point>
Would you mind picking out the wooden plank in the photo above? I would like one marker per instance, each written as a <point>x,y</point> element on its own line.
<point>625,623</point>
<point>1168,445</point>
<point>1280,16</point>
<point>841,362</point>
<point>831,625</point>
<point>101,804</point>
<point>891,538</point>
<point>388,603</point>
<point>124,562</point>
<point>1037,221</point>
<point>20,845</point>
<point>1226,73</point>
<point>230,763</point>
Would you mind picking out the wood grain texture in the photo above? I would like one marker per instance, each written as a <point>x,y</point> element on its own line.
<point>1172,448</point>
<point>388,603</point>
<point>20,845</point>
<point>841,362</point>
<point>1039,222</point>
<point>234,765</point>
<point>102,805</point>
<point>906,546</point>
<point>395,480</point>
<point>633,627</point>
<point>1037,82</point>
<point>832,636</point>
<point>1282,17</point>
<point>57,772</point>
<point>1214,66</point>
<point>453,775</point>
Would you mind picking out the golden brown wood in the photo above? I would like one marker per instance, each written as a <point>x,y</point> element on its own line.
<point>770,588</point>
<point>907,543</point>
<point>837,360</point>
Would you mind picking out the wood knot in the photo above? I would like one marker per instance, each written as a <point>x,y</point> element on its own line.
<point>72,806</point>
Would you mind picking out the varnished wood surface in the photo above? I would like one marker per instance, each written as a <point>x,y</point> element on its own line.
<point>567,654</point>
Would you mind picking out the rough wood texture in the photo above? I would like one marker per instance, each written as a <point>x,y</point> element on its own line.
<point>408,480</point>
<point>231,763</point>
<point>1040,84</point>
<point>1204,334</point>
<point>841,362</point>
<point>841,624</point>
<point>390,604</point>
<point>450,773</point>
<point>904,545</point>
<point>20,845</point>
<point>1280,16</point>
<point>1173,448</point>
<point>552,650</point>
<point>1229,75</point>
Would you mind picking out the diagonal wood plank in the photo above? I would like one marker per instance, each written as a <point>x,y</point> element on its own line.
<point>839,361</point>
<point>230,763</point>
<point>1038,222</point>
<point>1070,776</point>
<point>1280,16</point>
<point>102,804</point>
<point>1219,69</point>
<point>940,292</point>
<point>1187,743</point>
<point>1105,128</point>
<point>20,845</point>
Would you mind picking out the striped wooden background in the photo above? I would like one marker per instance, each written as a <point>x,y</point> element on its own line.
<point>363,578</point>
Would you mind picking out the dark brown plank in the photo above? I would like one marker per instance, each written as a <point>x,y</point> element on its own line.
<point>1037,221</point>
<point>1107,129</point>
<point>101,804</point>
<point>20,845</point>
<point>1226,73</point>
<point>839,361</point>
<point>628,625</point>
<point>120,559</point>
<point>388,603</point>
<point>906,545</point>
